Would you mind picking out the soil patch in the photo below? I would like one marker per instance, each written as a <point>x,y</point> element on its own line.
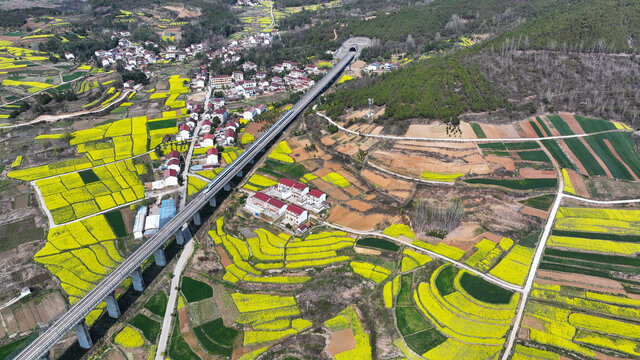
<point>343,216</point>
<point>341,341</point>
<point>527,210</point>
<point>579,280</point>
<point>463,237</point>
<point>359,205</point>
<point>529,173</point>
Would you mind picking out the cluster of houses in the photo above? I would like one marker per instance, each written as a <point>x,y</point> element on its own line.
<point>230,54</point>
<point>289,200</point>
<point>288,75</point>
<point>150,219</point>
<point>135,56</point>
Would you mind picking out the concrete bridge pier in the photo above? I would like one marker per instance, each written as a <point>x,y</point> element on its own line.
<point>136,279</point>
<point>227,187</point>
<point>197,219</point>
<point>179,237</point>
<point>212,202</point>
<point>46,356</point>
<point>112,306</point>
<point>161,259</point>
<point>239,174</point>
<point>82,332</point>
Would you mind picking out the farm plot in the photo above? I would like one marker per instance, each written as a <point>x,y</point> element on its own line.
<point>268,318</point>
<point>250,259</point>
<point>587,323</point>
<point>80,255</point>
<point>607,154</point>
<point>602,243</point>
<point>473,315</point>
<point>79,194</point>
<point>347,321</point>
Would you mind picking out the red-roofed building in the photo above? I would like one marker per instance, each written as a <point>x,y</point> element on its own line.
<point>260,203</point>
<point>295,215</point>
<point>212,156</point>
<point>229,136</point>
<point>289,188</point>
<point>171,177</point>
<point>208,140</point>
<point>174,164</point>
<point>174,154</point>
<point>317,200</point>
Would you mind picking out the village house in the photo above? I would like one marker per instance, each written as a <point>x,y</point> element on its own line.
<point>261,203</point>
<point>295,215</point>
<point>212,156</point>
<point>229,136</point>
<point>185,132</point>
<point>221,81</point>
<point>174,164</point>
<point>237,76</point>
<point>222,113</point>
<point>288,188</point>
<point>171,177</point>
<point>317,200</point>
<point>207,140</point>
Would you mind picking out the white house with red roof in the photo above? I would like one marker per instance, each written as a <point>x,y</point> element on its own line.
<point>174,164</point>
<point>207,141</point>
<point>295,215</point>
<point>317,200</point>
<point>206,127</point>
<point>171,177</point>
<point>260,203</point>
<point>185,132</point>
<point>229,136</point>
<point>222,113</point>
<point>288,188</point>
<point>212,156</point>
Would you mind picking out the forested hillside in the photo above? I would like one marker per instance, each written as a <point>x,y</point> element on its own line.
<point>438,89</point>
<point>575,72</point>
<point>606,25</point>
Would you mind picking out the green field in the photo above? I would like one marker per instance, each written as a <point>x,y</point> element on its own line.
<point>542,202</point>
<point>419,334</point>
<point>377,243</point>
<point>194,290</point>
<point>544,126</point>
<point>525,145</point>
<point>558,154</point>
<point>216,338</point>
<point>114,218</point>
<point>485,291</point>
<point>444,281</point>
<point>520,184</point>
<point>150,328</point>
<point>493,146</point>
<point>88,176</point>
<point>584,156</point>
<point>560,125</point>
<point>157,304</point>
<point>279,169</point>
<point>478,130</point>
<point>591,125</point>
<point>161,124</point>
<point>537,155</point>
<point>536,128</point>
<point>179,348</point>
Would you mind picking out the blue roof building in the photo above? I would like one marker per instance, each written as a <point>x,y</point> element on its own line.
<point>167,211</point>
